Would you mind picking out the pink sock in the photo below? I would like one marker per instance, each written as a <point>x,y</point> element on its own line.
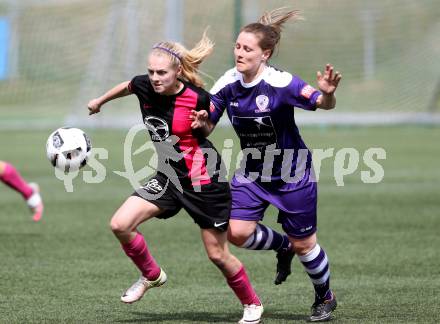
<point>12,178</point>
<point>137,251</point>
<point>242,287</point>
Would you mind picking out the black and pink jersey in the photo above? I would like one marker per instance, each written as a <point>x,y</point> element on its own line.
<point>165,116</point>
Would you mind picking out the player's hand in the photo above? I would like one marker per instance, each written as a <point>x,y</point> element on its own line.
<point>328,82</point>
<point>199,118</point>
<point>94,106</point>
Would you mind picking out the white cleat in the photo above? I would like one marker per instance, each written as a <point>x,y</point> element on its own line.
<point>35,203</point>
<point>252,314</point>
<point>139,288</point>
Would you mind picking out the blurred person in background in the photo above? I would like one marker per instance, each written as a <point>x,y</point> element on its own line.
<point>29,191</point>
<point>260,101</point>
<point>167,94</point>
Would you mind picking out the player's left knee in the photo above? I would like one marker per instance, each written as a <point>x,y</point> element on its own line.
<point>219,258</point>
<point>303,250</point>
<point>237,238</point>
<point>119,228</point>
<point>302,247</point>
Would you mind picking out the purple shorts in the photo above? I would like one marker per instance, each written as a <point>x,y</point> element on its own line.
<point>296,203</point>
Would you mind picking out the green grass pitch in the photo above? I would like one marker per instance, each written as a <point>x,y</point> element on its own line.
<point>382,240</point>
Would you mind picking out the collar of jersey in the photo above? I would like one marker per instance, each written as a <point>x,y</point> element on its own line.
<point>254,82</point>
<point>181,90</point>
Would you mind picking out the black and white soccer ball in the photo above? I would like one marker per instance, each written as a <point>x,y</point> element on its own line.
<point>68,149</point>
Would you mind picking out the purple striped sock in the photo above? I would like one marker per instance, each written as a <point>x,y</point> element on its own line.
<point>265,238</point>
<point>317,267</point>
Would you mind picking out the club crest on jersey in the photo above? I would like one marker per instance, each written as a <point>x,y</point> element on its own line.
<point>157,127</point>
<point>262,102</point>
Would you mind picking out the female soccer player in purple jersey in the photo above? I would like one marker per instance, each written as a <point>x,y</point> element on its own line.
<point>30,191</point>
<point>259,101</point>
<point>167,94</point>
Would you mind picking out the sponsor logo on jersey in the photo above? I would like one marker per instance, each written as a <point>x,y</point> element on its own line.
<point>255,132</point>
<point>233,104</point>
<point>153,186</point>
<point>262,102</point>
<point>307,91</point>
<point>260,122</point>
<point>158,128</point>
<point>147,106</point>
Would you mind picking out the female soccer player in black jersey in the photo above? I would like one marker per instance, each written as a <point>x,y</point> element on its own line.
<point>167,94</point>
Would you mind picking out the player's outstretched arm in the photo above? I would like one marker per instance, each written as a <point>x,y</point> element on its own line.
<point>201,121</point>
<point>327,84</point>
<point>120,90</point>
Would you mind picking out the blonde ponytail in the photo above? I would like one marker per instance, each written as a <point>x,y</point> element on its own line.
<point>194,57</point>
<point>189,60</point>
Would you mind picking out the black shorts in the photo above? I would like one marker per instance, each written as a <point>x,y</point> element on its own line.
<point>210,207</point>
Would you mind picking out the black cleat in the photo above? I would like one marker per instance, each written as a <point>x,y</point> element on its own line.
<point>284,263</point>
<point>322,310</point>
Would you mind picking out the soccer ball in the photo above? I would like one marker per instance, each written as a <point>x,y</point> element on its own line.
<point>68,149</point>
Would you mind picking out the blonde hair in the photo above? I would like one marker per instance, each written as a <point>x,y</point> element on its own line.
<point>269,27</point>
<point>189,60</point>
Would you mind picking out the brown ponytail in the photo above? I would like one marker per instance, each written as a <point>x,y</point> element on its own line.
<point>269,27</point>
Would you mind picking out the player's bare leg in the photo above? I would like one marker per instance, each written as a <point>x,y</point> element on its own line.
<point>218,252</point>
<point>124,225</point>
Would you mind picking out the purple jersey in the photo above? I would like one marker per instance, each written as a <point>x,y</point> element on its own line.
<point>262,115</point>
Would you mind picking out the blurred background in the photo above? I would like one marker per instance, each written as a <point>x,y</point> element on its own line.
<point>56,55</point>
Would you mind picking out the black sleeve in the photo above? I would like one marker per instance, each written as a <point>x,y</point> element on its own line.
<point>204,102</point>
<point>136,83</point>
